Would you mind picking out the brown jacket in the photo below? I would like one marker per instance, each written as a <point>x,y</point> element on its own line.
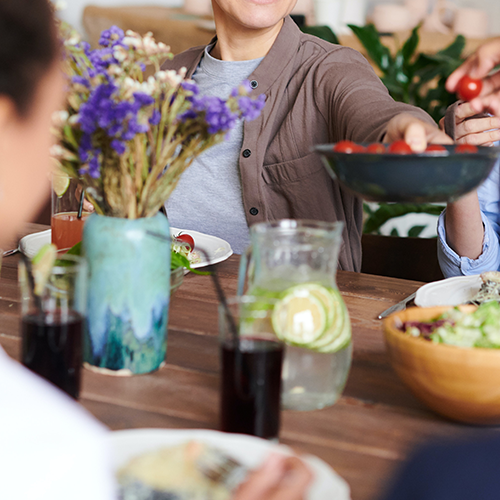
<point>316,93</point>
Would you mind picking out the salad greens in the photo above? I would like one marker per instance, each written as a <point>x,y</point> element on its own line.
<point>179,257</point>
<point>480,328</point>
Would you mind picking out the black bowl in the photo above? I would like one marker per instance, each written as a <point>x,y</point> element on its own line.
<point>413,178</point>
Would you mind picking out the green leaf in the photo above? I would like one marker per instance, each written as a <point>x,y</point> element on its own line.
<point>415,231</point>
<point>76,249</point>
<point>323,32</point>
<point>410,46</point>
<point>369,38</point>
<point>178,260</point>
<point>455,49</point>
<point>394,232</point>
<point>387,211</point>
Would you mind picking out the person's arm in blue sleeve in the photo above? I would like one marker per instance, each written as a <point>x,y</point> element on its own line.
<point>488,258</point>
<point>468,229</point>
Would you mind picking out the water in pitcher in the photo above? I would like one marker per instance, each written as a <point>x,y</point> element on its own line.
<point>296,262</point>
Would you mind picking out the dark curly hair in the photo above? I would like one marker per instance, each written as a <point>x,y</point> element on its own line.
<point>28,48</point>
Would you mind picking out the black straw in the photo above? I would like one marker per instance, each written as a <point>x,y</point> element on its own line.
<point>218,288</point>
<point>80,206</point>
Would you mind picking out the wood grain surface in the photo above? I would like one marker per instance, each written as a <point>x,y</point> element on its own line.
<point>364,437</point>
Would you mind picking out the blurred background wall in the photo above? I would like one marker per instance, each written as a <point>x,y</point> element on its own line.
<point>74,9</point>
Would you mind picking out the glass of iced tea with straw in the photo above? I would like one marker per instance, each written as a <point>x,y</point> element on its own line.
<point>67,218</point>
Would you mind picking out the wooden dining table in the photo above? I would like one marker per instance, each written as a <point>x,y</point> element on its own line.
<point>365,436</point>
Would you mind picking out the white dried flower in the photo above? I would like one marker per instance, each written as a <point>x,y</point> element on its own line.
<point>74,40</point>
<point>120,53</point>
<point>114,70</point>
<point>131,42</point>
<point>60,5</point>
<point>59,118</point>
<point>57,151</point>
<point>170,77</point>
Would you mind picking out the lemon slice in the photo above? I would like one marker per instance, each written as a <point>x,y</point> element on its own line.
<point>300,317</point>
<point>60,183</point>
<point>42,264</point>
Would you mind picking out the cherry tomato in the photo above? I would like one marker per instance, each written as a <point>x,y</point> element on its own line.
<point>187,239</point>
<point>466,148</point>
<point>348,147</point>
<point>468,88</point>
<point>400,148</point>
<point>435,148</point>
<point>376,147</point>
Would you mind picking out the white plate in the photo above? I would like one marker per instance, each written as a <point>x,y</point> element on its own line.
<point>216,248</point>
<point>448,292</point>
<point>249,450</point>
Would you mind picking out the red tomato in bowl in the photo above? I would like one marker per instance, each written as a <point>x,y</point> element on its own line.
<point>468,88</point>
<point>348,147</point>
<point>400,148</point>
<point>435,148</point>
<point>466,148</point>
<point>187,239</point>
<point>376,147</point>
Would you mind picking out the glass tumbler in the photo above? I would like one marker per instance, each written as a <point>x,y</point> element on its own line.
<point>66,226</point>
<point>52,322</point>
<point>251,358</point>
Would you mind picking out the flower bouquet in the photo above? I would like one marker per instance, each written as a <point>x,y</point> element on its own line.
<point>128,138</point>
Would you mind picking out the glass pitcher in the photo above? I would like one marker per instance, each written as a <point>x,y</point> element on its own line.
<point>282,255</point>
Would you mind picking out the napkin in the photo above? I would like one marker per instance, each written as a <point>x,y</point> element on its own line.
<point>50,447</point>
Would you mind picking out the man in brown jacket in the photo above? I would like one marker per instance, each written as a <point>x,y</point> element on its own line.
<point>316,92</point>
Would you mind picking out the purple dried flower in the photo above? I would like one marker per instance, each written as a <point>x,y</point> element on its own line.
<point>190,87</point>
<point>143,99</point>
<point>251,108</point>
<point>119,146</point>
<point>81,80</point>
<point>94,167</point>
<point>246,87</point>
<point>155,117</point>
<point>111,37</point>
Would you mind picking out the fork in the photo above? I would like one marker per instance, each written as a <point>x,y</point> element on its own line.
<point>220,467</point>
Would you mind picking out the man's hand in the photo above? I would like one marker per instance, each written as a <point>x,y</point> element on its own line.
<point>482,130</point>
<point>478,66</point>
<point>415,132</point>
<point>279,478</point>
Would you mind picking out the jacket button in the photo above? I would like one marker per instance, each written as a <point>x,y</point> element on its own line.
<point>254,84</point>
<point>253,211</point>
<point>246,153</point>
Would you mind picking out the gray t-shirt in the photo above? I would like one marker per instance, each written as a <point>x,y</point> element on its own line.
<point>208,197</point>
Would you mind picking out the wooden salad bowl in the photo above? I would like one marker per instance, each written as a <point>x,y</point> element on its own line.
<point>459,383</point>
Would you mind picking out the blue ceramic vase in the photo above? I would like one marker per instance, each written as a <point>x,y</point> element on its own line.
<point>129,292</point>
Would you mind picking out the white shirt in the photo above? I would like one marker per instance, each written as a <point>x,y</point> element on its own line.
<point>50,447</point>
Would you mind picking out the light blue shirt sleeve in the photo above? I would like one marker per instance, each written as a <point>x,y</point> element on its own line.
<point>489,260</point>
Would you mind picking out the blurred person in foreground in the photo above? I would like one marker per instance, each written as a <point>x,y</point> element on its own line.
<point>469,228</point>
<point>452,469</point>
<point>316,92</point>
<point>50,448</point>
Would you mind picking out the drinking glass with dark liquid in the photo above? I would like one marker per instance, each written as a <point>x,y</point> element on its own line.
<point>251,358</point>
<point>52,323</point>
